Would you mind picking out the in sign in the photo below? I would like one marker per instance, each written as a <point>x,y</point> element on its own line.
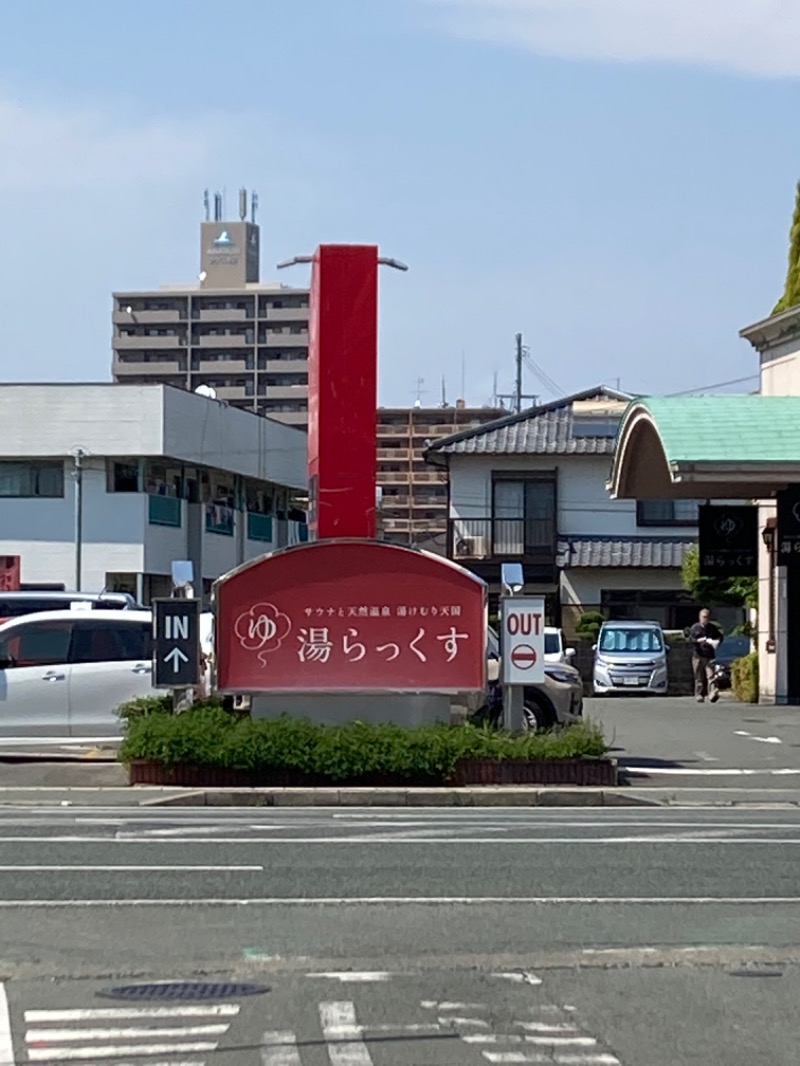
<point>522,647</point>
<point>176,626</point>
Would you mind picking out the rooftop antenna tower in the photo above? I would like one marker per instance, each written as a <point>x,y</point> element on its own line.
<point>253,206</point>
<point>419,392</point>
<point>242,204</point>
<point>444,392</point>
<point>206,204</point>
<point>217,207</point>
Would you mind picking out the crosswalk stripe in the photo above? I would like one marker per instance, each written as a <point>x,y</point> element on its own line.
<point>279,1048</point>
<point>111,1051</point>
<point>6,1043</point>
<point>66,1036</point>
<point>343,1035</point>
<point>107,1014</point>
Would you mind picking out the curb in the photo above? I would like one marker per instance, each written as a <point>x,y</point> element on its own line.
<point>486,796</point>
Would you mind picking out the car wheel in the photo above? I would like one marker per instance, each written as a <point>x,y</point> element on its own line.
<point>539,714</point>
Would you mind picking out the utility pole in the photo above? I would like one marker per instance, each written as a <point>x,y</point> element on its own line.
<point>78,455</point>
<point>518,396</point>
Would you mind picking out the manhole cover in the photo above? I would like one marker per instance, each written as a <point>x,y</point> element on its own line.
<point>183,990</point>
<point>756,973</point>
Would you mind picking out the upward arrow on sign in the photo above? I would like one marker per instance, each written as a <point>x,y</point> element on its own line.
<point>176,657</point>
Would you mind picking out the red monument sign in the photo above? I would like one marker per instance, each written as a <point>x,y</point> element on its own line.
<point>350,616</point>
<point>343,391</point>
<point>346,613</point>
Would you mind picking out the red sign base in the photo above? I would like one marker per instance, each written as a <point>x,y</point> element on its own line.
<point>350,616</point>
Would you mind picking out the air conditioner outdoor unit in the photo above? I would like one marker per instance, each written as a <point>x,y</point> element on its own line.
<point>471,547</point>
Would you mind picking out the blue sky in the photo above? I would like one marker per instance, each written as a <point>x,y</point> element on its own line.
<point>613,179</point>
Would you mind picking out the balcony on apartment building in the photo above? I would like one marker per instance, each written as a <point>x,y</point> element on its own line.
<point>482,544</point>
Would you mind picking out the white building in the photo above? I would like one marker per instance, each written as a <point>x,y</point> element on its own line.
<point>164,475</point>
<point>531,487</point>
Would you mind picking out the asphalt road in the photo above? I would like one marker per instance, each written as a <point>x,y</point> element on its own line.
<point>587,937</point>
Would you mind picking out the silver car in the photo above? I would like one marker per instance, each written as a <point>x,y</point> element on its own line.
<point>558,700</point>
<point>630,657</point>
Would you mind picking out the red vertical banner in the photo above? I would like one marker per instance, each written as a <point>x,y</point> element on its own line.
<point>343,391</point>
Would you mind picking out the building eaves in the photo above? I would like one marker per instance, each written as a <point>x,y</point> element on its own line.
<point>624,552</point>
<point>542,430</point>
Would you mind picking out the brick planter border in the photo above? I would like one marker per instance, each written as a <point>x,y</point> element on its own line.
<point>593,772</point>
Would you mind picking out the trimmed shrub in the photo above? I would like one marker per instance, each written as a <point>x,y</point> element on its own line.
<point>744,678</point>
<point>209,736</point>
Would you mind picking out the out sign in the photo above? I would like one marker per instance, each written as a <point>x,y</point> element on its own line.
<point>522,640</point>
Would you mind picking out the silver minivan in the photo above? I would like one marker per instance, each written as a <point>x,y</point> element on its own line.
<point>630,657</point>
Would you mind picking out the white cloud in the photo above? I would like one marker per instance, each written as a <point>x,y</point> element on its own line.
<point>757,37</point>
<point>57,146</point>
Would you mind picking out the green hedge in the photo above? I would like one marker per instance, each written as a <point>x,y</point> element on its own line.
<point>206,735</point>
<point>744,678</point>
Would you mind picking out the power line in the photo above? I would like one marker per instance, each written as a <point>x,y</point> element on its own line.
<point>717,385</point>
<point>544,378</point>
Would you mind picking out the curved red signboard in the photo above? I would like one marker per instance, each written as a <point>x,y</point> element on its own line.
<point>350,616</point>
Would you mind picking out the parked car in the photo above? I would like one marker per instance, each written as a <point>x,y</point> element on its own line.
<point>554,648</point>
<point>63,673</point>
<point>558,700</point>
<point>630,656</point>
<point>17,604</point>
<point>733,647</point>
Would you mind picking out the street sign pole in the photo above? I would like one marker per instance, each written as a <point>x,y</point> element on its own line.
<point>176,642</point>
<point>512,583</point>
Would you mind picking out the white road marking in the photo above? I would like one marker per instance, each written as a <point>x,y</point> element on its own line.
<point>586,1060</point>
<point>279,1048</point>
<point>516,1056</point>
<point>545,1027</point>
<point>74,1036</point>
<point>363,976</point>
<point>562,1041</point>
<point>704,756</point>
<point>451,1020</point>
<point>490,1038</point>
<point>105,1014</point>
<point>343,1035</point>
<point>131,869</point>
<point>688,771</point>
<point>431,1004</point>
<point>383,901</point>
<point>6,1043</point>
<point>116,1051</point>
<point>761,740</point>
<point>526,978</point>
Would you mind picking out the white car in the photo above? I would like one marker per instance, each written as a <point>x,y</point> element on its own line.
<point>554,649</point>
<point>63,673</point>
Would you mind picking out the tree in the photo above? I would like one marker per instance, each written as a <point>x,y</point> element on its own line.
<point>791,293</point>
<point>713,591</point>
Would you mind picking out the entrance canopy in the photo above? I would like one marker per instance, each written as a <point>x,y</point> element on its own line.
<point>709,447</point>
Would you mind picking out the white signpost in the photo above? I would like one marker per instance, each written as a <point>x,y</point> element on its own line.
<point>522,640</point>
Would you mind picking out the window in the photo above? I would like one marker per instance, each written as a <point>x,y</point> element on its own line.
<point>103,642</point>
<point>524,516</point>
<point>37,644</point>
<point>667,512</point>
<point>640,638</point>
<point>122,476</point>
<point>32,478</point>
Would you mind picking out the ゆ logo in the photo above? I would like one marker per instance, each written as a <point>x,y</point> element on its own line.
<point>262,629</point>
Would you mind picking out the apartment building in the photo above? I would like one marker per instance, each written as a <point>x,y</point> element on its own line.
<point>237,338</point>
<point>414,495</point>
<point>103,486</point>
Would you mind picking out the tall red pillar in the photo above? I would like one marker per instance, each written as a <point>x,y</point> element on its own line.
<point>343,391</point>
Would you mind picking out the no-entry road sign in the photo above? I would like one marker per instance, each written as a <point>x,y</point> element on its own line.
<point>176,647</point>
<point>522,640</point>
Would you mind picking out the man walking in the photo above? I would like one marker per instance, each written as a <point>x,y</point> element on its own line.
<point>705,638</point>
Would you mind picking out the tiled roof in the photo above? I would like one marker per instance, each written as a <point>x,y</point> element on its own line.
<point>723,429</point>
<point>544,430</point>
<point>613,552</point>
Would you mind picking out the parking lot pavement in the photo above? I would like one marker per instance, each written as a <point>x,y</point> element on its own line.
<point>678,743</point>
